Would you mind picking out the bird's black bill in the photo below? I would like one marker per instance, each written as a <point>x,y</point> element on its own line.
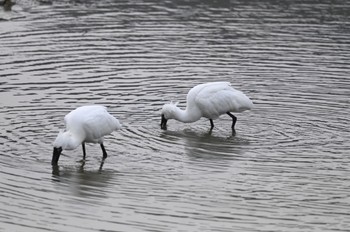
<point>163,122</point>
<point>56,155</point>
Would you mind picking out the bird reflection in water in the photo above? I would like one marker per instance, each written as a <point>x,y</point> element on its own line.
<point>206,146</point>
<point>82,181</point>
<point>56,168</point>
<point>7,4</point>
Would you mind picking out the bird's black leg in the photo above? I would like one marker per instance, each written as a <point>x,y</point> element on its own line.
<point>211,124</point>
<point>234,120</point>
<point>101,166</point>
<point>84,152</point>
<point>104,151</point>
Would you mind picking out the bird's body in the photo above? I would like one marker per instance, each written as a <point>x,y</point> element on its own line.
<point>85,124</point>
<point>209,100</point>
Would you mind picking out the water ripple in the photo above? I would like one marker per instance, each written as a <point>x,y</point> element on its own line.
<point>286,168</point>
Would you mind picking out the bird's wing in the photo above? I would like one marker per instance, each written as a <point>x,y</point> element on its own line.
<point>100,125</point>
<point>219,97</point>
<point>202,89</point>
<point>95,121</point>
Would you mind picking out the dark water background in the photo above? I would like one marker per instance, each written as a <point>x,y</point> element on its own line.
<point>287,168</point>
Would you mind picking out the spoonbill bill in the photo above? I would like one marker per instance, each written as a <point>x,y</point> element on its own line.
<point>85,124</point>
<point>209,100</point>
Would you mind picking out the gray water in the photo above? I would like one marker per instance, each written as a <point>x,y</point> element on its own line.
<point>286,169</point>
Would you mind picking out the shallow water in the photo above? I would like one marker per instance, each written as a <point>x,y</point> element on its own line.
<point>286,169</point>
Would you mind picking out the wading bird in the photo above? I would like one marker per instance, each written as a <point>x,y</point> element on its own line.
<point>86,124</point>
<point>208,100</point>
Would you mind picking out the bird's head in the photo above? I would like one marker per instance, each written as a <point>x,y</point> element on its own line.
<point>65,140</point>
<point>168,112</point>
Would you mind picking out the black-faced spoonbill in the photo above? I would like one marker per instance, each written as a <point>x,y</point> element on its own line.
<point>86,124</point>
<point>209,100</point>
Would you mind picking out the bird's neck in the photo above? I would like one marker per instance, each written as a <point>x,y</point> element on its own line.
<point>72,140</point>
<point>187,115</point>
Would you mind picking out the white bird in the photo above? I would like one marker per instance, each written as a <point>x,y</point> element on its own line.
<point>209,100</point>
<point>85,124</point>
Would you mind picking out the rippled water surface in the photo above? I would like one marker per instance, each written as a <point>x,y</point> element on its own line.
<point>286,169</point>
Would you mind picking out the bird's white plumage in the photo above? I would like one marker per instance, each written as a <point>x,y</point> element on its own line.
<point>217,98</point>
<point>86,124</point>
<point>209,100</point>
